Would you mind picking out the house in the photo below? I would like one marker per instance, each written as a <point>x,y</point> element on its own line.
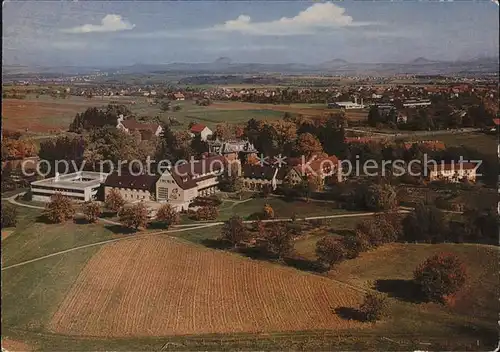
<point>231,149</point>
<point>178,185</point>
<point>179,96</point>
<point>147,130</point>
<point>452,172</point>
<point>320,166</point>
<point>201,130</point>
<point>257,177</point>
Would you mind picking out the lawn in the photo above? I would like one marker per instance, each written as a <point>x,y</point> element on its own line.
<point>281,207</point>
<point>482,142</point>
<point>32,238</point>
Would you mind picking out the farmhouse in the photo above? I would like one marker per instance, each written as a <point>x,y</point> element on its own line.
<point>452,172</point>
<point>179,96</point>
<point>203,131</point>
<point>81,186</point>
<point>147,130</point>
<point>257,177</point>
<point>178,185</point>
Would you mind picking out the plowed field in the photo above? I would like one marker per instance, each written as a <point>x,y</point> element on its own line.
<point>160,286</point>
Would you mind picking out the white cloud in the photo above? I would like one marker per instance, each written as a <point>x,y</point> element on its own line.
<point>318,17</point>
<point>110,23</point>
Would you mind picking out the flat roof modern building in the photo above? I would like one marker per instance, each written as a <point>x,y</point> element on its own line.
<point>79,186</point>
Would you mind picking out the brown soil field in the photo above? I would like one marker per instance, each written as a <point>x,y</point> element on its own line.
<point>15,346</point>
<point>162,286</point>
<point>40,116</point>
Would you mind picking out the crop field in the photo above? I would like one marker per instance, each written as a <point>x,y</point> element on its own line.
<point>161,286</point>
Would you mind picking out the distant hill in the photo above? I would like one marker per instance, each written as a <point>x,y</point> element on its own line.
<point>224,65</point>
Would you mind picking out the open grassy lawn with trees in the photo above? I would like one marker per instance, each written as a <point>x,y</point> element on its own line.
<point>33,238</point>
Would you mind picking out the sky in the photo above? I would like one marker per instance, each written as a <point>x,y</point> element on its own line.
<point>119,33</point>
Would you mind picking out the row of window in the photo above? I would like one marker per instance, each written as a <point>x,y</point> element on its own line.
<point>48,195</point>
<point>81,191</point>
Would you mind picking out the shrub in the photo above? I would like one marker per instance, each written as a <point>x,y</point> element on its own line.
<point>114,201</point>
<point>374,307</point>
<point>9,215</point>
<point>330,251</point>
<point>278,239</point>
<point>440,276</point>
<point>167,215</point>
<point>91,211</point>
<point>207,213</point>
<point>268,212</point>
<point>59,209</point>
<point>234,231</point>
<point>380,197</point>
<point>135,216</point>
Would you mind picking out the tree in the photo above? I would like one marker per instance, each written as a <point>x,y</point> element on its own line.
<point>135,216</point>
<point>9,215</point>
<point>354,244</point>
<point>374,307</point>
<point>425,224</point>
<point>59,209</point>
<point>231,180</point>
<point>278,239</point>
<point>284,134</point>
<point>308,145</point>
<point>167,215</point>
<point>91,211</point>
<point>165,105</point>
<point>374,116</point>
<point>440,276</point>
<point>234,231</point>
<point>380,197</point>
<point>223,131</point>
<point>114,201</point>
<point>207,213</point>
<point>268,212</point>
<point>330,251</point>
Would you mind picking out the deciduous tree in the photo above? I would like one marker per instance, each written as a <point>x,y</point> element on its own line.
<point>91,211</point>
<point>9,215</point>
<point>135,216</point>
<point>114,201</point>
<point>59,209</point>
<point>330,251</point>
<point>167,215</point>
<point>278,240</point>
<point>308,145</point>
<point>234,231</point>
<point>374,307</point>
<point>440,276</point>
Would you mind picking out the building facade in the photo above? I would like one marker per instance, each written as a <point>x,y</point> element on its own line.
<point>81,186</point>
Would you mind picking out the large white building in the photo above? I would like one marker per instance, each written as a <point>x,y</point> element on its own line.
<point>81,186</point>
<point>415,103</point>
<point>348,105</point>
<point>179,185</point>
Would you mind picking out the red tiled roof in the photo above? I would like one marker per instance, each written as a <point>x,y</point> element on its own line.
<point>496,122</point>
<point>198,128</point>
<point>184,174</point>
<point>125,180</point>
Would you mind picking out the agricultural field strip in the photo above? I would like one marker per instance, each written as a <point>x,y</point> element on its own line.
<point>193,291</point>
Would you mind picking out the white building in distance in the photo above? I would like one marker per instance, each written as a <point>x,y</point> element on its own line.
<point>80,186</point>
